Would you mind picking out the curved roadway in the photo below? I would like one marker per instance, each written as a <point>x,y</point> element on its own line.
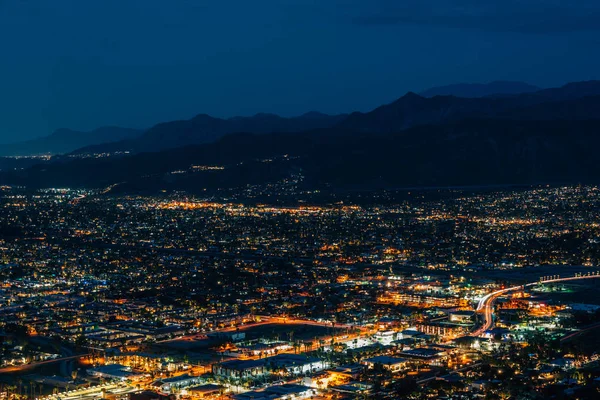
<point>486,304</point>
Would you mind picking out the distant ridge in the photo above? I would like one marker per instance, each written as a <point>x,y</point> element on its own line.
<point>471,90</point>
<point>413,110</point>
<point>66,140</point>
<point>434,106</point>
<point>548,136</point>
<point>204,128</point>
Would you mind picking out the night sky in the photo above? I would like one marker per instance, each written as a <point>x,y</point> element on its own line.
<point>82,64</point>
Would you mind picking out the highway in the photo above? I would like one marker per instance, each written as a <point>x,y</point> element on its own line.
<point>486,304</point>
<point>485,307</point>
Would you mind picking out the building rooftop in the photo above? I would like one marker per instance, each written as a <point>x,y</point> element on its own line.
<point>385,360</point>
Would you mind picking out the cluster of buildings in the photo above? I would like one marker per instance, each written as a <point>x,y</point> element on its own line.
<point>213,298</point>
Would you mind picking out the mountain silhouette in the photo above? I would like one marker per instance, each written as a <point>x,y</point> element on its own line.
<point>66,140</point>
<point>549,136</point>
<point>468,152</point>
<point>204,128</point>
<point>413,110</point>
<point>480,89</point>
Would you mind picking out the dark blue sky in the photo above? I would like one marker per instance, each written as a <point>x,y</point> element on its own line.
<point>86,63</point>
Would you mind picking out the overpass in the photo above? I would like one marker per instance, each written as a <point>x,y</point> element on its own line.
<point>486,304</point>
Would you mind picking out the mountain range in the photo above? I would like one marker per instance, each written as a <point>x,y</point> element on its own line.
<point>67,140</point>
<point>547,136</point>
<point>205,128</point>
<point>412,109</point>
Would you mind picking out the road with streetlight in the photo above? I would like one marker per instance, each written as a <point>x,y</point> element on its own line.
<point>486,304</point>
